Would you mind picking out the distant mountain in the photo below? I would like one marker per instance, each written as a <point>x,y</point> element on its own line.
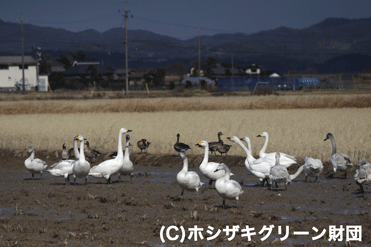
<point>331,38</point>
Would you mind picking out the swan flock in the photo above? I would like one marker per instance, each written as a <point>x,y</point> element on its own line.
<point>270,168</point>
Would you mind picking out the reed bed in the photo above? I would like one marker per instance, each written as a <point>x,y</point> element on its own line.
<point>299,132</point>
<point>184,104</point>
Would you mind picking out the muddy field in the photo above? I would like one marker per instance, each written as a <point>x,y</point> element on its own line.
<point>49,213</point>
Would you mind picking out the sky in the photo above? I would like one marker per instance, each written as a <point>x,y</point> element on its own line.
<point>182,19</point>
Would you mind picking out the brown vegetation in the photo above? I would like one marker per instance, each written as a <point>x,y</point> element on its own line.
<point>184,104</point>
<point>298,132</point>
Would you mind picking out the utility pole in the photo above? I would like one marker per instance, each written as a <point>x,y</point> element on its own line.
<point>22,39</point>
<point>199,55</point>
<point>126,16</point>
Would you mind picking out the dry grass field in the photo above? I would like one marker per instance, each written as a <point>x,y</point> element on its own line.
<point>297,124</point>
<point>138,105</point>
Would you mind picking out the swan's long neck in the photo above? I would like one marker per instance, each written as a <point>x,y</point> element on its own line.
<point>277,161</point>
<point>250,158</point>
<point>227,174</point>
<point>75,149</point>
<point>119,146</point>
<point>248,144</point>
<point>82,154</point>
<point>292,177</point>
<point>262,151</point>
<point>32,156</point>
<point>333,144</point>
<point>127,151</point>
<point>206,155</point>
<point>185,165</point>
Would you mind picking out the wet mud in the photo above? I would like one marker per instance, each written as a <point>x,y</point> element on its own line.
<point>48,212</point>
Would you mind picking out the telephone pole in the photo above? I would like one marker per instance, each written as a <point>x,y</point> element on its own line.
<point>199,55</point>
<point>126,16</point>
<point>22,39</point>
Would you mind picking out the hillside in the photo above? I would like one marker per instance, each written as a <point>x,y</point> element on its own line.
<point>331,38</point>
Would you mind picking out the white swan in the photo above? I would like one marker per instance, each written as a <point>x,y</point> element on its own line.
<point>247,141</point>
<point>363,174</point>
<point>81,167</point>
<point>110,167</point>
<point>260,168</point>
<point>34,165</point>
<point>285,159</point>
<point>279,173</point>
<point>127,167</point>
<point>339,161</point>
<point>75,150</point>
<point>208,168</point>
<point>62,168</point>
<point>226,188</point>
<point>188,180</point>
<point>312,168</point>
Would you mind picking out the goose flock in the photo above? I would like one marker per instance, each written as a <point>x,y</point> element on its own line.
<point>269,168</point>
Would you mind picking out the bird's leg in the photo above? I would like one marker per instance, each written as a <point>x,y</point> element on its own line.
<point>210,182</point>
<point>316,179</point>
<point>86,180</point>
<point>119,178</point>
<point>306,177</point>
<point>109,180</point>
<point>360,188</point>
<point>345,174</point>
<point>33,176</point>
<point>224,203</point>
<point>181,195</point>
<point>276,184</point>
<point>131,178</point>
<point>285,186</point>
<point>262,183</point>
<point>270,186</point>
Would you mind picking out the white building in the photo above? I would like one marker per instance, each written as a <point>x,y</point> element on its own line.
<point>11,74</point>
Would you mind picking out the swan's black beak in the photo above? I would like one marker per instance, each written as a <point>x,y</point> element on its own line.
<point>325,139</point>
<point>198,145</point>
<point>229,138</point>
<point>129,131</point>
<point>217,169</point>
<point>259,135</point>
